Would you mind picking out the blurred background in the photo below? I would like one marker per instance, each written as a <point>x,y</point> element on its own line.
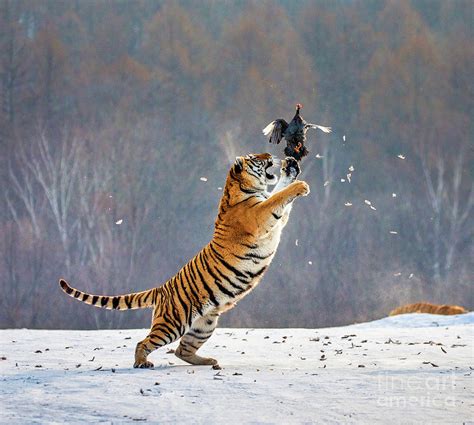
<point>120,119</point>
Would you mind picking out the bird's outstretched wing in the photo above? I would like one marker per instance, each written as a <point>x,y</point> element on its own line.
<point>275,130</point>
<point>322,128</point>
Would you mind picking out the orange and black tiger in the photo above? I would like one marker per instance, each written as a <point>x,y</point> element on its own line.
<point>429,308</point>
<point>246,237</point>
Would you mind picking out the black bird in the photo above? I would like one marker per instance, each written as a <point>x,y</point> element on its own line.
<point>294,133</point>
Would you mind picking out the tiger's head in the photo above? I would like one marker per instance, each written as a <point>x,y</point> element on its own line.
<point>253,171</point>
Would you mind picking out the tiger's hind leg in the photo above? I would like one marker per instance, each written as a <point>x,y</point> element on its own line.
<point>162,333</point>
<point>201,330</point>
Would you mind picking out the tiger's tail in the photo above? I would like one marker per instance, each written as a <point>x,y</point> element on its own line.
<point>144,299</point>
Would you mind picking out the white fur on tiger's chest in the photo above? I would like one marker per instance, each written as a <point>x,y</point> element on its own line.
<point>270,241</point>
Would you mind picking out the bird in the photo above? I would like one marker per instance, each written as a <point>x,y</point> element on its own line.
<point>294,133</point>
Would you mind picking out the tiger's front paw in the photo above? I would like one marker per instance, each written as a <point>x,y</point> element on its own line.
<point>301,188</point>
<point>290,168</point>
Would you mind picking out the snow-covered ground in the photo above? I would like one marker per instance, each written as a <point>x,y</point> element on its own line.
<point>414,368</point>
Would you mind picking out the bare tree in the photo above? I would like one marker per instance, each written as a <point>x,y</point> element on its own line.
<point>15,75</point>
<point>450,212</point>
<point>55,169</point>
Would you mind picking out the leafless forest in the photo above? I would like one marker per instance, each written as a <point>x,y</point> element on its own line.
<point>112,111</point>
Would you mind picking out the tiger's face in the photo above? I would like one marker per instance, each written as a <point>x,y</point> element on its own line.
<point>253,171</point>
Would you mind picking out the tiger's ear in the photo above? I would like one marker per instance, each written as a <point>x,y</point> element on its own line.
<point>238,164</point>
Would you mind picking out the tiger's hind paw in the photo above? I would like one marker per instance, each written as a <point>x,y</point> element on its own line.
<point>194,359</point>
<point>143,365</point>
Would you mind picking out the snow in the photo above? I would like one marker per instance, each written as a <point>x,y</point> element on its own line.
<point>414,368</point>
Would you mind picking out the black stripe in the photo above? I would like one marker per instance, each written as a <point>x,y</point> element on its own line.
<point>185,349</point>
<point>231,268</point>
<point>155,293</point>
<point>243,279</point>
<point>212,297</point>
<point>192,345</point>
<point>194,291</point>
<point>218,244</point>
<point>239,256</point>
<point>242,201</point>
<point>175,318</point>
<point>219,232</point>
<point>187,298</point>
<point>253,172</point>
<point>172,324</point>
<point>258,273</point>
<point>234,285</point>
<point>77,294</point>
<point>247,257</point>
<point>213,250</point>
<point>232,173</point>
<point>184,304</point>
<point>166,327</point>
<point>128,301</point>
<point>201,338</point>
<point>219,258</point>
<point>64,286</point>
<point>248,191</point>
<point>157,329</point>
<point>196,275</point>
<point>257,256</point>
<point>159,338</point>
<point>217,280</point>
<point>146,296</point>
<point>85,297</point>
<point>185,307</point>
<point>277,217</point>
<point>226,278</point>
<point>250,246</point>
<point>104,301</point>
<point>115,302</point>
<point>192,282</point>
<point>95,298</point>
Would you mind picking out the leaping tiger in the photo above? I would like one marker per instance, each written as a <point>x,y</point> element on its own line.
<point>246,236</point>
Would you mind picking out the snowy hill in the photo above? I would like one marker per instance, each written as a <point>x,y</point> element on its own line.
<point>414,368</point>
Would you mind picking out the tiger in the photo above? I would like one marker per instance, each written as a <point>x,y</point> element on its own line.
<point>246,236</point>
<point>425,307</point>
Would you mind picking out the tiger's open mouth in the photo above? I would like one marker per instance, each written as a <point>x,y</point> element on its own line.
<point>271,178</point>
